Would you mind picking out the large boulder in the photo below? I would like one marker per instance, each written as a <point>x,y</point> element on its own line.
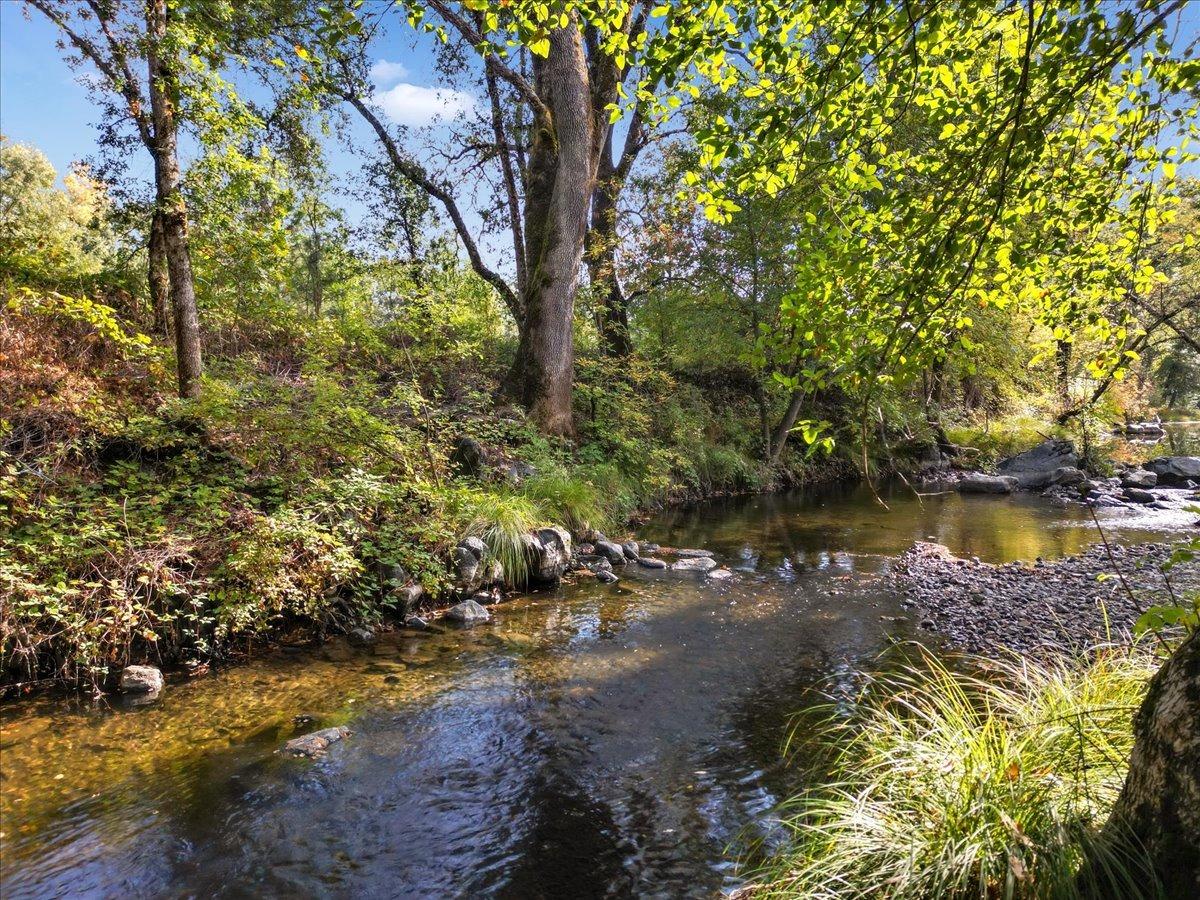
<point>1139,495</point>
<point>1139,478</point>
<point>1035,467</point>
<point>614,553</point>
<point>978,483</point>
<point>1067,475</point>
<point>694,564</point>
<point>548,551</point>
<point>1175,469</point>
<point>141,680</point>
<point>468,613</point>
<point>472,568</point>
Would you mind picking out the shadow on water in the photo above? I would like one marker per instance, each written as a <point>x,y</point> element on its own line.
<point>592,741</point>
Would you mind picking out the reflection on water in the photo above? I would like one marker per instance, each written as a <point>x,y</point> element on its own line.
<point>1176,439</point>
<point>592,741</point>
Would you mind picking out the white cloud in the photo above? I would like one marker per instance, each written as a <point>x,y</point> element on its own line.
<point>384,72</point>
<point>415,105</point>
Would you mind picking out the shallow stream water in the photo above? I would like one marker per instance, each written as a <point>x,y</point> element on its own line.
<point>590,741</point>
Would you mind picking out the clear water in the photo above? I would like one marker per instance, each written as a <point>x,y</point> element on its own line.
<point>590,741</point>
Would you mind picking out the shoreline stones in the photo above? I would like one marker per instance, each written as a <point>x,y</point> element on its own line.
<point>1050,606</point>
<point>315,743</point>
<point>694,564</point>
<point>549,553</point>
<point>141,680</point>
<point>468,613</point>
<point>651,562</point>
<point>979,483</point>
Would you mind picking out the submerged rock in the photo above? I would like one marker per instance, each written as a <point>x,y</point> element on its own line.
<point>361,637</point>
<point>607,577</point>
<point>316,743</point>
<point>141,680</point>
<point>693,554</point>
<point>468,613</point>
<point>694,564</point>
<point>979,483</point>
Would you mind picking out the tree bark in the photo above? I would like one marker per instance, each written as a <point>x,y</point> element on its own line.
<point>158,276</point>
<point>171,205</point>
<point>562,170</point>
<point>1158,810</point>
<point>613,316</point>
<point>784,428</point>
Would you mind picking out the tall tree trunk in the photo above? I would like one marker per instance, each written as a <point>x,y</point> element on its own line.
<point>170,202</point>
<point>784,428</point>
<point>158,276</point>
<point>562,169</point>
<point>1158,810</point>
<point>613,312</point>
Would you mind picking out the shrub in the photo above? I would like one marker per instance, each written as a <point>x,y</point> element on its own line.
<point>953,785</point>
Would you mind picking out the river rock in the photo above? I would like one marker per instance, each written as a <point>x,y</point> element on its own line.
<point>1033,468</point>
<point>1175,469</point>
<point>693,554</point>
<point>417,623</point>
<point>361,637</point>
<point>597,564</point>
<point>1139,478</point>
<point>467,559</point>
<point>647,547</point>
<point>315,743</point>
<point>720,574</point>
<point>631,550</point>
<point>694,564</point>
<point>548,551</point>
<point>651,562</point>
<point>610,551</point>
<point>1067,475</point>
<point>141,680</point>
<point>408,598</point>
<point>979,483</point>
<point>1139,495</point>
<point>468,613</point>
<point>606,576</point>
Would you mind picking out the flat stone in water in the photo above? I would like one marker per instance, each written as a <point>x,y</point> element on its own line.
<point>316,743</point>
<point>694,564</point>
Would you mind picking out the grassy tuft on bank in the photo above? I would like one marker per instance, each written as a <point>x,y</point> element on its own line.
<point>937,783</point>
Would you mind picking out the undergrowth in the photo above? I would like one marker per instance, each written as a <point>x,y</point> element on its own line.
<point>317,468</point>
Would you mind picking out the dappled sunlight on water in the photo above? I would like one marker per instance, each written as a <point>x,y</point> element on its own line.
<point>593,740</point>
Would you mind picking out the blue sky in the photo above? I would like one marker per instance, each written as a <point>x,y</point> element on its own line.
<point>42,103</point>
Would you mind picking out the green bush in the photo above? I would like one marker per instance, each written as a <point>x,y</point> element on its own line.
<point>942,784</point>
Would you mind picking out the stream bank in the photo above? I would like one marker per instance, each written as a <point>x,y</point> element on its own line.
<point>588,740</point>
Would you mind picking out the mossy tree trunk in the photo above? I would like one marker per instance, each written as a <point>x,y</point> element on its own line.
<point>1158,811</point>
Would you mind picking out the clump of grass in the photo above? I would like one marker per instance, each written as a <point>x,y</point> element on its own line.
<point>952,785</point>
<point>568,500</point>
<point>501,519</point>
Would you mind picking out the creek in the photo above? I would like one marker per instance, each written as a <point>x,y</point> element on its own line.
<point>592,740</point>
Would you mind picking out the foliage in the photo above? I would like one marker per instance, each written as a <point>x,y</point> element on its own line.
<point>944,784</point>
